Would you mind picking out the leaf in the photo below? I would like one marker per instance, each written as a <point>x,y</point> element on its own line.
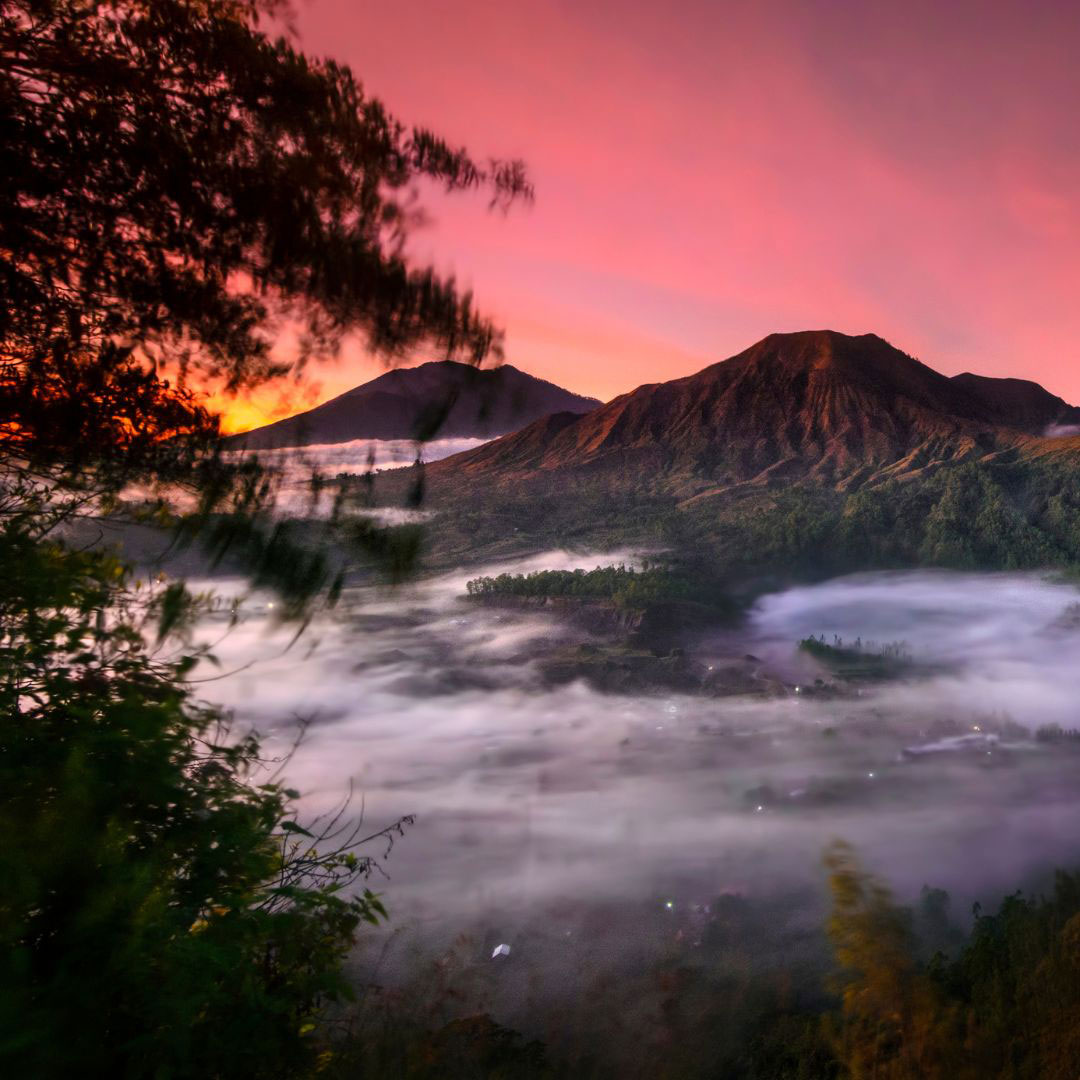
<point>293,827</point>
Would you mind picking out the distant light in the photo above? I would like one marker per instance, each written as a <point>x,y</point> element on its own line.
<point>798,689</point>
<point>759,809</point>
<point>871,775</point>
<point>975,727</point>
<point>271,605</point>
<point>669,904</point>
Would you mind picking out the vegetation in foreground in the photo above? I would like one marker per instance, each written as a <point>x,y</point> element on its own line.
<point>163,913</point>
<point>179,183</point>
<point>892,992</point>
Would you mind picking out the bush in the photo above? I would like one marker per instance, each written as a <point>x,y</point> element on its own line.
<point>163,912</point>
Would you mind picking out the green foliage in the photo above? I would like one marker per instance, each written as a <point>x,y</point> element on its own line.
<point>179,182</point>
<point>623,585</point>
<point>857,659</point>
<point>237,186</point>
<point>1018,979</point>
<point>889,650</point>
<point>907,995</point>
<point>163,913</point>
<point>972,524</point>
<point>1006,1005</point>
<point>619,583</point>
<point>972,516</point>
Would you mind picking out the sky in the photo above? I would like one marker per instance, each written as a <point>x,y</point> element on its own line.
<point>708,173</point>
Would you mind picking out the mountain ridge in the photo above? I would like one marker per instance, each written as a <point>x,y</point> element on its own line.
<point>834,408</point>
<point>441,398</point>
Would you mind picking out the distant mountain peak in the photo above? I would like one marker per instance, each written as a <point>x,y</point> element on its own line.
<point>438,399</point>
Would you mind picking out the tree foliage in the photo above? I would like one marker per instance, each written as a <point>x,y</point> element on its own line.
<point>178,182</point>
<point>163,911</point>
<point>1004,1004</point>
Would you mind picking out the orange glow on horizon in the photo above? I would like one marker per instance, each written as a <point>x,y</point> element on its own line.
<point>275,401</point>
<point>238,415</point>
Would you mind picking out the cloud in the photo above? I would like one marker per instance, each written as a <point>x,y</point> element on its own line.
<point>535,799</point>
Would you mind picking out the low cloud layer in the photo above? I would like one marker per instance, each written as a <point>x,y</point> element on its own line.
<point>1062,431</point>
<point>532,799</point>
<point>297,464</point>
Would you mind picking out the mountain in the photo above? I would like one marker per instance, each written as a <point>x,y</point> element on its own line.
<point>444,399</point>
<point>817,405</point>
<point>1018,402</point>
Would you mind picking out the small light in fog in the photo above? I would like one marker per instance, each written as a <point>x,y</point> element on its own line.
<point>500,950</point>
<point>798,689</point>
<point>871,775</point>
<point>270,605</point>
<point>757,810</point>
<point>669,904</point>
<point>975,727</point>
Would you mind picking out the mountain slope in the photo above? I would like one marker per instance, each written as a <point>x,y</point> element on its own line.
<point>1017,402</point>
<point>443,399</point>
<point>819,405</point>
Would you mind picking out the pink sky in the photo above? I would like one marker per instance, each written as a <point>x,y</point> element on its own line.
<point>710,172</point>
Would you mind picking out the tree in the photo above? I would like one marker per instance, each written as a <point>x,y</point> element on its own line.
<point>177,185</point>
<point>893,1024</point>
<point>163,913</point>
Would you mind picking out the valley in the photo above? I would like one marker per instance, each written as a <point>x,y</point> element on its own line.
<point>611,822</point>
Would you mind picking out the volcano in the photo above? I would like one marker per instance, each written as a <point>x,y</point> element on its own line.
<point>818,405</point>
<point>442,399</point>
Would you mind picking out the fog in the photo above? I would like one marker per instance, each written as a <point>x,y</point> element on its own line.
<point>295,466</point>
<point>355,455</point>
<point>1004,640</point>
<point>538,806</point>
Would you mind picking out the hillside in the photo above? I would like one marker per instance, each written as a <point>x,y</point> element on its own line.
<point>442,399</point>
<point>818,405</point>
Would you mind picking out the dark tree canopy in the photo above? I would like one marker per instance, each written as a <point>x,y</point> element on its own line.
<point>176,185</point>
<point>177,182</point>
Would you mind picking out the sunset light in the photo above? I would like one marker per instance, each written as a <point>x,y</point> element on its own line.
<point>539,541</point>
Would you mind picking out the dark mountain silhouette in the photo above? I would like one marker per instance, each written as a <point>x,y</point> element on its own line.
<point>442,399</point>
<point>1018,402</point>
<point>816,405</point>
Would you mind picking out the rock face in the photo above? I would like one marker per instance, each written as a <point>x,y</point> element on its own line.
<point>438,400</point>
<point>817,404</point>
